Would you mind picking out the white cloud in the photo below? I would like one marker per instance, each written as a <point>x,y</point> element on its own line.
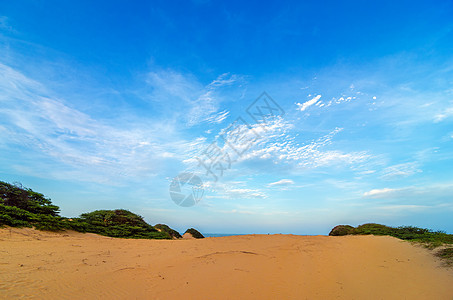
<point>367,172</point>
<point>232,190</point>
<point>280,147</point>
<point>194,102</point>
<point>400,170</point>
<point>218,118</point>
<point>173,88</point>
<point>282,182</point>
<point>245,193</point>
<point>205,107</point>
<point>397,201</point>
<point>378,193</point>
<point>437,193</point>
<point>443,115</point>
<point>84,148</point>
<point>305,105</point>
<point>274,145</point>
<point>342,99</point>
<point>92,149</point>
<point>224,80</point>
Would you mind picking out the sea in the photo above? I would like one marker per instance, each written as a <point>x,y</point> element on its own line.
<point>221,234</point>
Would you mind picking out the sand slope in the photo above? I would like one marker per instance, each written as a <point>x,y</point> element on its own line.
<point>86,266</point>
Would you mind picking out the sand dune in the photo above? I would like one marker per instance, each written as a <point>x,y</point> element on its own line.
<point>86,266</point>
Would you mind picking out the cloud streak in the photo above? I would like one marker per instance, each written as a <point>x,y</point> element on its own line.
<point>195,103</point>
<point>400,170</point>
<point>305,105</point>
<point>44,124</point>
<point>447,113</point>
<point>379,193</point>
<point>281,182</point>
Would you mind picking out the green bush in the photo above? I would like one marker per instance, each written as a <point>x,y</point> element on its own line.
<point>49,223</point>
<point>173,233</point>
<point>17,217</point>
<point>76,224</point>
<point>372,228</point>
<point>22,207</point>
<point>341,230</point>
<point>118,223</point>
<point>426,236</point>
<point>195,233</point>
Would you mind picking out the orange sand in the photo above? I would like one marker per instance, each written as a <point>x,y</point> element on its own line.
<point>72,265</point>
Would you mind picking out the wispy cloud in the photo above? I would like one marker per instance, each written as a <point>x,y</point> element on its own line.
<point>246,193</point>
<point>338,100</point>
<point>281,182</point>
<point>279,146</point>
<point>194,102</point>
<point>44,124</point>
<point>274,145</point>
<point>232,190</point>
<point>438,194</point>
<point>217,118</point>
<point>378,193</point>
<point>316,101</point>
<point>447,113</point>
<point>205,107</point>
<point>400,170</point>
<point>305,105</point>
<point>167,83</point>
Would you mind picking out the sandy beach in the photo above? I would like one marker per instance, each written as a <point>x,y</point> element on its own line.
<point>70,265</point>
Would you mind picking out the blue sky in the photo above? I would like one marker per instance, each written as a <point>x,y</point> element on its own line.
<point>103,103</point>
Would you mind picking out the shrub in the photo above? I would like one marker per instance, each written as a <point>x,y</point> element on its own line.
<point>173,233</point>
<point>195,233</point>
<point>341,230</point>
<point>117,223</point>
<point>17,217</point>
<point>372,228</point>
<point>430,238</point>
<point>22,207</point>
<point>447,255</point>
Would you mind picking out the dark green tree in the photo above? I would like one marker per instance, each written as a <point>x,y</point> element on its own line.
<point>26,199</point>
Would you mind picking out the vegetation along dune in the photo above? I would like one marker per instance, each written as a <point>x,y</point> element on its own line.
<point>115,254</point>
